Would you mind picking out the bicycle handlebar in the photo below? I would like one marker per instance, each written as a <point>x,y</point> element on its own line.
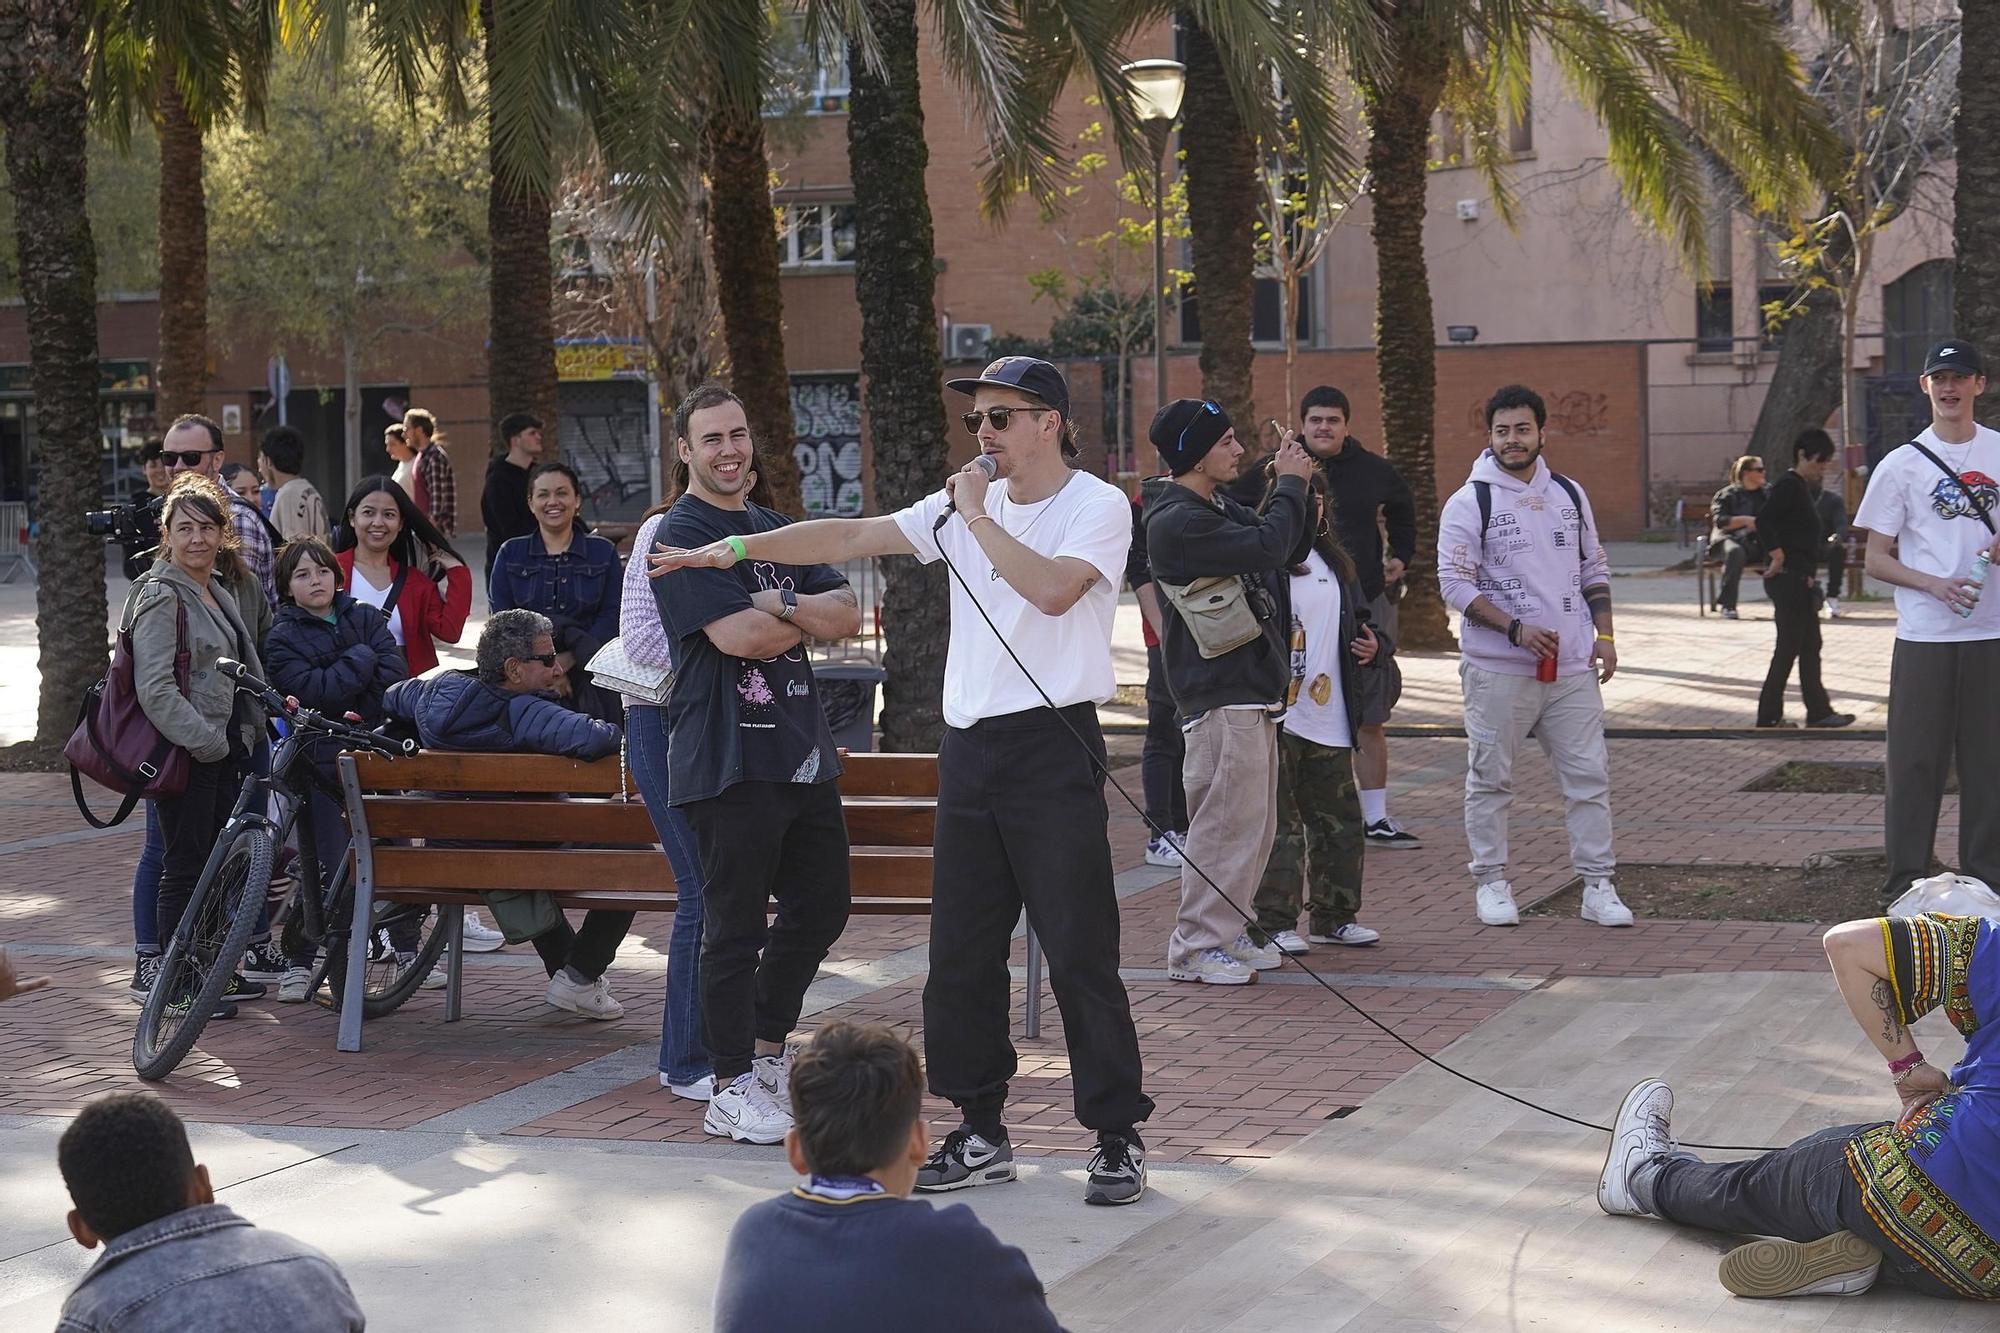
<point>301,716</point>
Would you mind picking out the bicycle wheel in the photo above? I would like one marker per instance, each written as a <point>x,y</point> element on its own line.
<point>405,944</point>
<point>202,955</point>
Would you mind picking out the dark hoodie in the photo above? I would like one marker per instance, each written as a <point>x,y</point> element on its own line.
<point>1189,538</point>
<point>458,711</point>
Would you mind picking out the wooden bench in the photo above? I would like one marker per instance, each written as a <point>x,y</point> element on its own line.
<point>1708,569</point>
<point>890,801</point>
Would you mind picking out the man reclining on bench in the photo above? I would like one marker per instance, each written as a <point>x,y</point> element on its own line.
<point>501,707</point>
<point>1915,1201</point>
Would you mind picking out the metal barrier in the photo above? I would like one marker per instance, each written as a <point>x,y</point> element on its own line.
<point>15,534</point>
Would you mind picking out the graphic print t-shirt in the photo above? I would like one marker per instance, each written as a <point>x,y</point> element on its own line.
<point>733,720</point>
<point>1937,531</point>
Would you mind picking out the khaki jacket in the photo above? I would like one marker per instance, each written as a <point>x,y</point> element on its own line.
<point>199,722</point>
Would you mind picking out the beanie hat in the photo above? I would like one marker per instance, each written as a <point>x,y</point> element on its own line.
<point>1185,430</point>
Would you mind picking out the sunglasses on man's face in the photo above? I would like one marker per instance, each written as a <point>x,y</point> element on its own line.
<point>546,659</point>
<point>184,457</point>
<point>999,416</point>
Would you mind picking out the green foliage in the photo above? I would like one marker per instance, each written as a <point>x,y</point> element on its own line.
<point>348,217</point>
<point>124,213</point>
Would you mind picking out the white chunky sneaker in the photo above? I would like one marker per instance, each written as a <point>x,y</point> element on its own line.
<point>1642,1131</point>
<point>1165,850</point>
<point>1352,934</point>
<point>746,1113</point>
<point>774,1073</point>
<point>1256,957</point>
<point>478,937</point>
<point>1214,967</point>
<point>1289,941</point>
<point>1601,904</point>
<point>1496,904</point>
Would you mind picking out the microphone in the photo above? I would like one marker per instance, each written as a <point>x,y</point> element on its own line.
<point>985,463</point>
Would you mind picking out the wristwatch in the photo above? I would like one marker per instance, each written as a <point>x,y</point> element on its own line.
<point>791,604</point>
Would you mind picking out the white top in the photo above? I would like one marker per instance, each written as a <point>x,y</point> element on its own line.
<point>1320,714</point>
<point>1070,654</point>
<point>364,591</point>
<point>405,476</point>
<point>1936,530</point>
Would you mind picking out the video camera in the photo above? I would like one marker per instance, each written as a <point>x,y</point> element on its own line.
<point>135,527</point>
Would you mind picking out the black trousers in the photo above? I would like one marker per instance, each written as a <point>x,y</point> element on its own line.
<point>589,950</point>
<point>1021,822</point>
<point>189,824</point>
<point>1836,567</point>
<point>759,841</point>
<point>1797,616</point>
<point>1941,712</point>
<point>1165,749</point>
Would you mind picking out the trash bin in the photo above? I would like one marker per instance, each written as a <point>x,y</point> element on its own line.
<point>847,696</point>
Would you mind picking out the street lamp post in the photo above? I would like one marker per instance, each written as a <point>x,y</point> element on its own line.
<point>1156,87</point>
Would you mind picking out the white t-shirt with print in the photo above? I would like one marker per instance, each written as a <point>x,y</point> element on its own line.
<point>1088,519</point>
<point>1320,712</point>
<point>1936,530</point>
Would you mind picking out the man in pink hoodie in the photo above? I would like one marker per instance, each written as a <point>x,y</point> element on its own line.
<point>1520,560</point>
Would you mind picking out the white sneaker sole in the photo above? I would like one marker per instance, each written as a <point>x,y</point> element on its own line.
<point>1612,922</point>
<point>492,944</point>
<point>699,1091</point>
<point>1175,973</point>
<point>601,1016</point>
<point>1838,1265</point>
<point>1512,919</point>
<point>1303,947</point>
<point>1106,1201</point>
<point>723,1129</point>
<point>999,1173</point>
<point>1264,964</point>
<point>1165,862</point>
<point>1391,845</point>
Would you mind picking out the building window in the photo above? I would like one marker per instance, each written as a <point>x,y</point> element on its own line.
<point>827,88</point>
<point>817,235</point>
<point>1916,312</point>
<point>1714,318</point>
<point>1266,319</point>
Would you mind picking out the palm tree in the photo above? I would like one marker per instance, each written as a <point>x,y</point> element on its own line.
<point>44,113</point>
<point>1678,85</point>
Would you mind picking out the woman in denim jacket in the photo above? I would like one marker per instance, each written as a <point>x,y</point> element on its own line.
<point>567,575</point>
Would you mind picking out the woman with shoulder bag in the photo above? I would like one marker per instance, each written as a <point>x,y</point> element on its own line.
<point>218,730</point>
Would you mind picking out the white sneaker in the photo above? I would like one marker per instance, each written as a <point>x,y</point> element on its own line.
<point>1496,904</point>
<point>1601,904</point>
<point>746,1113</point>
<point>1258,958</point>
<point>1842,1264</point>
<point>1641,1132</point>
<point>437,979</point>
<point>1165,850</point>
<point>478,937</point>
<point>698,1091</point>
<point>293,985</point>
<point>1289,941</point>
<point>774,1074</point>
<point>592,999</point>
<point>1353,933</point>
<point>1214,967</point>
<point>1833,608</point>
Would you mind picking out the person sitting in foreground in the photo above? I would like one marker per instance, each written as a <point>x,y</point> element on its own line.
<point>849,1251</point>
<point>505,707</point>
<point>175,1258</point>
<point>1914,1201</point>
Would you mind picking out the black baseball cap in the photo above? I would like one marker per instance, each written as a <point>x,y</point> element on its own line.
<point>1954,354</point>
<point>1028,374</point>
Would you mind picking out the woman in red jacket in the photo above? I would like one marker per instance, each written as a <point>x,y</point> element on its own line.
<point>383,543</point>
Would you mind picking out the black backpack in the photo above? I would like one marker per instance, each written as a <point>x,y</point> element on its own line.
<point>1483,491</point>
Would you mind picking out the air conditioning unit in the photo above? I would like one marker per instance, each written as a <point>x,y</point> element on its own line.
<point>967,342</point>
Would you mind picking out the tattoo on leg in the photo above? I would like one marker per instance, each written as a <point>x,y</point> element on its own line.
<point>1884,996</point>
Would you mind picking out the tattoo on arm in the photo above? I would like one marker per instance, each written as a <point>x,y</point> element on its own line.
<point>1884,995</point>
<point>844,595</point>
<point>1598,599</point>
<point>1481,616</point>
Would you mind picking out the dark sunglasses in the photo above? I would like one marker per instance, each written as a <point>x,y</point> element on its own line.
<point>1749,470</point>
<point>546,659</point>
<point>1207,405</point>
<point>185,457</point>
<point>999,416</point>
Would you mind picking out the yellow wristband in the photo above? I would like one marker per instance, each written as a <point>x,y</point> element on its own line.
<point>1606,638</point>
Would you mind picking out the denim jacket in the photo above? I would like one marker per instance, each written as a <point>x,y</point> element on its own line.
<point>577,589</point>
<point>205,1267</point>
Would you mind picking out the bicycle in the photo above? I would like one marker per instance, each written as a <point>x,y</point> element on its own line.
<point>214,932</point>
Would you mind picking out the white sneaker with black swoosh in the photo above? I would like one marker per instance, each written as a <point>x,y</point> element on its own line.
<point>745,1112</point>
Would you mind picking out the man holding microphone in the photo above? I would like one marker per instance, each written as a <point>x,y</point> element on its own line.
<point>1039,549</point>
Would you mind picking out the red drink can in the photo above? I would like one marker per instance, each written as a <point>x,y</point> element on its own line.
<point>1545,669</point>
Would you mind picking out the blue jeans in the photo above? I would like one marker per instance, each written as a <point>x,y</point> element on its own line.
<point>146,885</point>
<point>683,1057</point>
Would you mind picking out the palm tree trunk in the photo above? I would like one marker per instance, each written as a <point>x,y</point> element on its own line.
<point>895,281</point>
<point>1221,167</point>
<point>1399,113</point>
<point>43,112</point>
<point>520,317</point>
<point>1975,227</point>
<point>183,222</point>
<point>746,278</point>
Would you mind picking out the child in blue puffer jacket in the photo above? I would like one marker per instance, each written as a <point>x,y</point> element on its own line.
<point>336,656</point>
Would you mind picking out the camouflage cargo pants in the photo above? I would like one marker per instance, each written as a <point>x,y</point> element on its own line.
<point>1316,855</point>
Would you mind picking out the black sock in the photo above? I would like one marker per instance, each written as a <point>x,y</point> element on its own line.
<point>1129,1133</point>
<point>987,1126</point>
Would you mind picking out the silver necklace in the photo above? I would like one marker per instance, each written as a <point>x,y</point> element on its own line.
<point>994,574</point>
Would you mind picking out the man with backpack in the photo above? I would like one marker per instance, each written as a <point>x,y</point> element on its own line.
<point>1520,560</point>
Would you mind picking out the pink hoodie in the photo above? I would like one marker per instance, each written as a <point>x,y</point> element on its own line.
<point>1529,565</point>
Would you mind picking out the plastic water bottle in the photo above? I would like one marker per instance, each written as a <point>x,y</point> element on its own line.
<point>1977,577</point>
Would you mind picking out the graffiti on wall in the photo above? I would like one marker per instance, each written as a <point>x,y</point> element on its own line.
<point>1577,412</point>
<point>826,433</point>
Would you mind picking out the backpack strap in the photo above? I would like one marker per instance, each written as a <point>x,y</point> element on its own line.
<point>1483,492</point>
<point>1576,498</point>
<point>1970,498</point>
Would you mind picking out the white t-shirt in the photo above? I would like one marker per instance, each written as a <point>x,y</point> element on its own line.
<point>1320,714</point>
<point>1089,520</point>
<point>405,476</point>
<point>361,590</point>
<point>1936,530</point>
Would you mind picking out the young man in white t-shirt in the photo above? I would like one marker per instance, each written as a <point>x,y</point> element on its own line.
<point>1020,814</point>
<point>1937,512</point>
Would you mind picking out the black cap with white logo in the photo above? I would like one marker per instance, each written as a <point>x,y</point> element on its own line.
<point>1956,355</point>
<point>1026,373</point>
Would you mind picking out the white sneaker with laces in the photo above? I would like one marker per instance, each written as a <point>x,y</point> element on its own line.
<point>1165,850</point>
<point>746,1113</point>
<point>1602,905</point>
<point>479,937</point>
<point>1353,934</point>
<point>774,1073</point>
<point>1496,904</point>
<point>700,1090</point>
<point>1641,1132</point>
<point>592,999</point>
<point>1214,967</point>
<point>1290,941</point>
<point>1256,957</point>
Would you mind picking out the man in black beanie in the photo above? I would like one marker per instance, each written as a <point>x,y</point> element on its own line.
<point>1219,567</point>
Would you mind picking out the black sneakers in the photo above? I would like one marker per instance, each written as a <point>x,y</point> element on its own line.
<point>1386,833</point>
<point>1117,1170</point>
<point>264,962</point>
<point>965,1159</point>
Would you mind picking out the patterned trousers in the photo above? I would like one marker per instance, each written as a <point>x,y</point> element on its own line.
<point>1316,855</point>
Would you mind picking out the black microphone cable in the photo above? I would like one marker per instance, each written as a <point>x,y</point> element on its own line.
<point>1104,771</point>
